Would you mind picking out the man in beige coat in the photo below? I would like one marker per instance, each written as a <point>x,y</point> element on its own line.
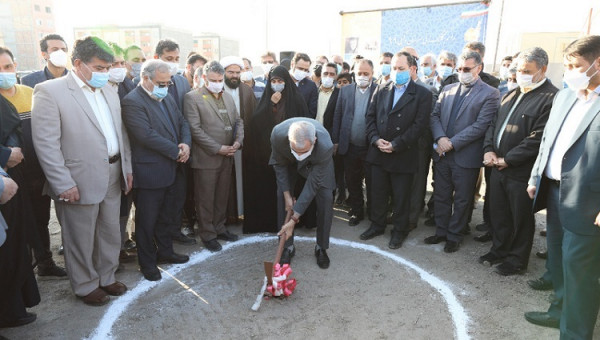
<point>84,152</point>
<point>217,133</point>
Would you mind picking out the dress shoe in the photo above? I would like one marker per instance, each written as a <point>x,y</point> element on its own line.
<point>151,275</point>
<point>184,240</point>
<point>543,232</point>
<point>212,245</point>
<point>227,236</point>
<point>370,233</point>
<point>355,220</point>
<point>61,250</point>
<point>509,269</point>
<point>130,245</point>
<point>451,246</point>
<point>487,237</point>
<point>341,198</point>
<point>490,259</point>
<point>27,319</point>
<point>50,269</point>
<point>125,257</point>
<point>542,254</point>
<point>188,231</point>
<point>540,284</point>
<point>435,239</point>
<point>542,319</point>
<point>97,297</point>
<point>397,240</point>
<point>173,258</point>
<point>482,226</point>
<point>322,258</point>
<point>430,222</point>
<point>115,289</point>
<point>286,255</point>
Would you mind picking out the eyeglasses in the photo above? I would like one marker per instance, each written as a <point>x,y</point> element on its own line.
<point>465,69</point>
<point>161,85</point>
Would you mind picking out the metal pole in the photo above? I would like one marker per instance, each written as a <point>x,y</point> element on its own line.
<point>498,36</point>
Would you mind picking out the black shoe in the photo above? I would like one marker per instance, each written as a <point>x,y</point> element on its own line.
<point>49,268</point>
<point>125,257</point>
<point>27,319</point>
<point>482,226</point>
<point>451,246</point>
<point>130,245</point>
<point>540,284</point>
<point>61,250</point>
<point>542,254</point>
<point>466,230</point>
<point>184,240</point>
<point>370,233</point>
<point>490,259</point>
<point>151,275</point>
<point>397,240</point>
<point>487,237</point>
<point>542,319</point>
<point>322,258</point>
<point>435,239</point>
<point>227,236</point>
<point>355,220</point>
<point>286,256</point>
<point>509,269</point>
<point>430,222</point>
<point>341,198</point>
<point>212,245</point>
<point>173,258</point>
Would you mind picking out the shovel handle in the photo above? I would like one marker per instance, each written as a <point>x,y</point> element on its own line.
<point>282,240</point>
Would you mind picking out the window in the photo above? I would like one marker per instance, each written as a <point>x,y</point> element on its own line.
<point>48,10</point>
<point>37,8</point>
<point>39,22</point>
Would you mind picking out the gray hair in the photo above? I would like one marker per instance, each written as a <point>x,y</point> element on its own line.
<point>215,67</point>
<point>150,67</point>
<point>471,55</point>
<point>302,131</point>
<point>448,55</point>
<point>535,54</point>
<point>432,56</point>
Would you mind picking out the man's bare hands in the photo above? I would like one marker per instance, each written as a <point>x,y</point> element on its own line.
<point>184,153</point>
<point>287,230</point>
<point>444,145</point>
<point>129,183</point>
<point>384,145</point>
<point>10,189</point>
<point>16,157</point>
<point>531,189</point>
<point>489,159</point>
<point>70,195</point>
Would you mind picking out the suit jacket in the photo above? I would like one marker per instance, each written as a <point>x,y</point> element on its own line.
<point>310,93</point>
<point>344,115</point>
<point>474,117</point>
<point>3,225</point>
<point>316,168</point>
<point>580,171</point>
<point>39,76</point>
<point>68,139</point>
<point>208,129</point>
<point>521,138</point>
<point>330,111</point>
<point>401,124</point>
<point>183,86</point>
<point>154,138</point>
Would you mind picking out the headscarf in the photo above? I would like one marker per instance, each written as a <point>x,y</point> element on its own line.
<point>295,106</point>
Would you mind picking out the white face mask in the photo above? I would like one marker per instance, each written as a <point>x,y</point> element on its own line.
<point>578,80</point>
<point>246,76</point>
<point>503,73</point>
<point>117,74</point>
<point>466,78</point>
<point>327,82</point>
<point>363,81</point>
<point>267,67</point>
<point>299,74</point>
<point>525,80</point>
<point>58,58</point>
<point>215,87</point>
<point>303,156</point>
<point>174,68</point>
<point>511,85</point>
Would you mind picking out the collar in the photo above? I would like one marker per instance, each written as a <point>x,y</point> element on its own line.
<point>81,83</point>
<point>149,93</point>
<point>324,89</point>
<point>584,95</point>
<point>535,86</point>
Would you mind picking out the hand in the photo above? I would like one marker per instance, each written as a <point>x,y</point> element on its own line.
<point>287,229</point>
<point>501,164</point>
<point>597,222</point>
<point>289,201</point>
<point>531,189</point>
<point>236,146</point>
<point>387,148</point>
<point>184,153</point>
<point>276,97</point>
<point>129,180</point>
<point>384,145</point>
<point>335,147</point>
<point>70,195</point>
<point>489,158</point>
<point>444,145</point>
<point>225,150</point>
<point>16,157</point>
<point>10,189</point>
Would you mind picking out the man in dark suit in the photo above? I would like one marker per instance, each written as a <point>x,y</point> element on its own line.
<point>565,180</point>
<point>349,137</point>
<point>459,121</point>
<point>301,147</point>
<point>160,138</point>
<point>396,118</point>
<point>300,70</point>
<point>54,51</point>
<point>511,144</point>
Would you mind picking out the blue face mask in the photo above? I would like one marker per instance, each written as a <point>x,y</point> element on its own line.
<point>400,78</point>
<point>98,80</point>
<point>160,92</point>
<point>445,71</point>
<point>386,69</point>
<point>427,71</point>
<point>7,80</point>
<point>136,69</point>
<point>277,87</point>
<point>339,68</point>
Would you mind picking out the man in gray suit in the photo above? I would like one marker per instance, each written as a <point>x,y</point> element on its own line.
<point>566,181</point>
<point>84,152</point>
<point>217,133</point>
<point>302,147</point>
<point>459,121</point>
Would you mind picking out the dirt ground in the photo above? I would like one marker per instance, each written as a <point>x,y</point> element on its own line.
<point>363,295</point>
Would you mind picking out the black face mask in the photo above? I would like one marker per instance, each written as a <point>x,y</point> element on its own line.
<point>232,83</point>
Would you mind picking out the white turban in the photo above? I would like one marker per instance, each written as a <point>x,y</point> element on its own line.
<point>231,60</point>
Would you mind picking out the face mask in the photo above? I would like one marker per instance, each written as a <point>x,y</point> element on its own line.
<point>420,73</point>
<point>117,74</point>
<point>174,68</point>
<point>201,83</point>
<point>246,76</point>
<point>299,75</point>
<point>136,69</point>
<point>525,80</point>
<point>577,80</point>
<point>386,69</point>
<point>427,71</point>
<point>277,87</point>
<point>7,80</point>
<point>465,78</point>
<point>400,78</point>
<point>58,58</point>
<point>267,67</point>
<point>445,71</point>
<point>160,92</point>
<point>215,87</point>
<point>511,85</point>
<point>98,80</point>
<point>303,156</point>
<point>503,73</point>
<point>327,82</point>
<point>363,81</point>
<point>339,68</point>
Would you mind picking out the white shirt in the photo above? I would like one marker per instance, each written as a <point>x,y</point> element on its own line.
<point>567,132</point>
<point>322,102</point>
<point>102,112</point>
<point>235,93</point>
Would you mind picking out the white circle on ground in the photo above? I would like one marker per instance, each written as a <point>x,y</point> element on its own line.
<point>118,307</point>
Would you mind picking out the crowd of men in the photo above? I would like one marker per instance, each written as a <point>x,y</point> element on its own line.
<point>122,128</point>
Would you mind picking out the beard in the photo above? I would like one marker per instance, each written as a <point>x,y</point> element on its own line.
<point>232,83</point>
